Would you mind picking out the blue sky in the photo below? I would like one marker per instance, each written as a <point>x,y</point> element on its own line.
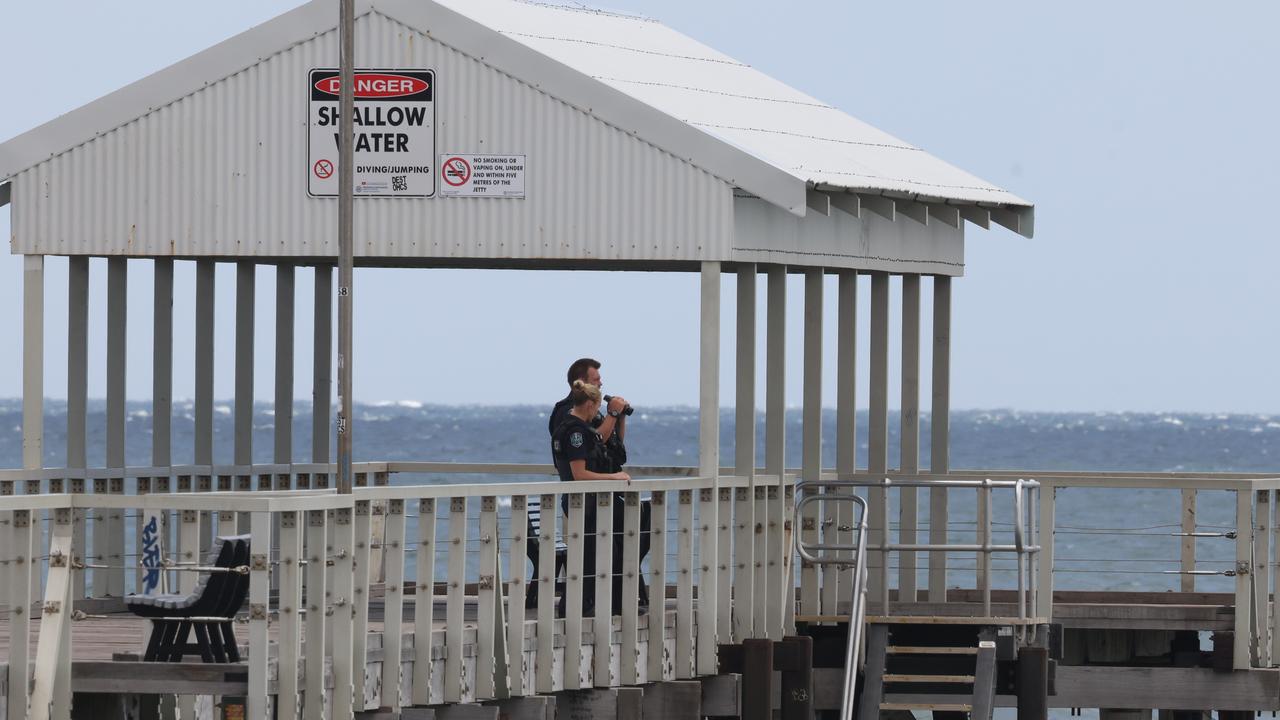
<point>1144,132</point>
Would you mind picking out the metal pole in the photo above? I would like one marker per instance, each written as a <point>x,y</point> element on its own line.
<point>346,162</point>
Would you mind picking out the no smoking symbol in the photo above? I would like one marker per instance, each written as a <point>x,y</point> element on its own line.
<point>323,169</point>
<point>456,171</point>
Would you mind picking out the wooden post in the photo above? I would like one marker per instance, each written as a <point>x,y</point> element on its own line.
<point>258,700</point>
<point>683,660</point>
<point>53,666</point>
<point>393,605</point>
<point>486,601</point>
<point>290,603</point>
<point>709,466</point>
<point>757,679</point>
<point>744,464</point>
<point>628,668</point>
<point>909,462</point>
<point>1188,558</point>
<point>654,667</point>
<point>846,403</point>
<point>573,589</point>
<point>516,594</point>
<point>548,511</point>
<point>812,594</point>
<point>602,627</point>
<point>343,584</point>
<point>940,436</point>
<point>1241,655</point>
<point>360,623</point>
<point>778,556</point>
<point>117,354</point>
<point>797,677</point>
<point>1033,683</point>
<point>317,610</point>
<point>878,433</point>
<point>424,602</point>
<point>322,364</point>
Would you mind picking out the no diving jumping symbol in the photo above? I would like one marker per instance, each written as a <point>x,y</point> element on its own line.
<point>456,171</point>
<point>323,169</point>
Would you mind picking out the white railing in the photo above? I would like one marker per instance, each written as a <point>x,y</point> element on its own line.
<point>461,546</point>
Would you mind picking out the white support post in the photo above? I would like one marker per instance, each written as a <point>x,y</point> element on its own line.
<point>1044,564</point>
<point>573,589</point>
<point>814,599</point>
<point>878,434</point>
<point>516,593</point>
<point>709,466</point>
<point>683,660</point>
<point>602,627</point>
<point>909,462</point>
<point>1242,656</point>
<point>778,556</point>
<point>940,441</point>
<point>360,623</point>
<point>22,564</point>
<point>53,666</point>
<point>32,361</point>
<point>342,627</point>
<point>317,610</point>
<point>289,603</point>
<point>1260,576</point>
<point>627,661</point>
<point>393,605</point>
<point>487,601</point>
<point>455,600</point>
<point>205,288</point>
<point>424,602</point>
<point>1188,554</point>
<point>77,395</point>
<point>258,701</point>
<point>788,542</point>
<point>544,676</point>
<point>117,353</point>
<point>760,539</point>
<point>745,578</point>
<point>724,566</point>
<point>1271,578</point>
<point>283,407</point>
<point>846,403</point>
<point>655,667</point>
<point>322,364</point>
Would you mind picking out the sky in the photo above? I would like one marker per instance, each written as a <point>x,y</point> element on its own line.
<point>1143,131</point>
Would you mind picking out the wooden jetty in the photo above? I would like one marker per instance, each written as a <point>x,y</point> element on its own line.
<point>870,588</point>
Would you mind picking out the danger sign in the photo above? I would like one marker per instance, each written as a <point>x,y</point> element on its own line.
<point>395,132</point>
<point>482,175</point>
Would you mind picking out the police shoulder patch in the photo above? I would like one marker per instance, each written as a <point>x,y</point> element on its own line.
<point>576,439</point>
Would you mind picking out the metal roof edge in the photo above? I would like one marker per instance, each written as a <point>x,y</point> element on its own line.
<point>167,85</point>
<point>630,115</point>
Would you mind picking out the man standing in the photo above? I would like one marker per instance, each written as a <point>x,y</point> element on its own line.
<point>588,371</point>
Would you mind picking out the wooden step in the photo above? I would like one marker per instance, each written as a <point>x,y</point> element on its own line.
<point>914,678</point>
<point>952,707</point>
<point>930,650</point>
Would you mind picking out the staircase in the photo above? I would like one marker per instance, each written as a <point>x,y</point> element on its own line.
<point>939,668</point>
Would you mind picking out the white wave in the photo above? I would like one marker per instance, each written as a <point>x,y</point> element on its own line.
<point>222,409</point>
<point>409,404</point>
<point>1171,420</point>
<point>140,414</point>
<point>1274,425</point>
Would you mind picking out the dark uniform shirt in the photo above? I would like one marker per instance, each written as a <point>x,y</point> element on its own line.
<point>558,415</point>
<point>573,440</point>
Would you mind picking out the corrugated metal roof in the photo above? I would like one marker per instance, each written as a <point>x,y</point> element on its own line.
<point>635,73</point>
<point>730,100</point>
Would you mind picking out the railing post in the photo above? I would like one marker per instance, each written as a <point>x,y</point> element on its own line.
<point>317,611</point>
<point>573,589</point>
<point>21,565</point>
<point>709,467</point>
<point>1044,565</point>
<point>259,607</point>
<point>360,595</point>
<point>486,601</point>
<point>544,676</point>
<point>655,665</point>
<point>516,594</point>
<point>1188,558</point>
<point>290,606</point>
<point>424,602</point>
<point>1241,656</point>
<point>1272,579</point>
<point>628,671</point>
<point>683,660</point>
<point>1259,577</point>
<point>343,540</point>
<point>53,665</point>
<point>602,628</point>
<point>393,603</point>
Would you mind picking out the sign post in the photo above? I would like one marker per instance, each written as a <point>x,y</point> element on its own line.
<point>346,181</point>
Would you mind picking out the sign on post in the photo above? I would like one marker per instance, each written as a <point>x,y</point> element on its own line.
<point>395,133</point>
<point>465,175</point>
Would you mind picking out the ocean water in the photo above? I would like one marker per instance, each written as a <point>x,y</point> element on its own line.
<point>1106,539</point>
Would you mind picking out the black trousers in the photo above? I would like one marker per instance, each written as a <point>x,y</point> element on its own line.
<point>590,570</point>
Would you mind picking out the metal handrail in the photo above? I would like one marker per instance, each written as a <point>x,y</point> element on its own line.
<point>858,604</point>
